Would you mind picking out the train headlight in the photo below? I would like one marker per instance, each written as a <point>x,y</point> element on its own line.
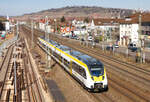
<point>103,77</point>
<point>92,78</point>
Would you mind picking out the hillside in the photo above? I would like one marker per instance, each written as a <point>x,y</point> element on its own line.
<point>2,19</point>
<point>80,11</point>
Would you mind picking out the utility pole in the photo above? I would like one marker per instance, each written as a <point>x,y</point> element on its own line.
<point>142,53</point>
<point>17,29</point>
<point>32,32</point>
<point>55,25</point>
<point>140,20</point>
<point>45,28</point>
<point>110,34</point>
<point>48,58</point>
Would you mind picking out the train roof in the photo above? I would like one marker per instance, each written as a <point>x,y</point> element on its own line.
<point>64,48</point>
<point>54,43</point>
<point>81,56</point>
<point>90,61</point>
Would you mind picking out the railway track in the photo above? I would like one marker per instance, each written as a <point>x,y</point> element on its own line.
<point>15,62</point>
<point>26,78</point>
<point>120,84</point>
<point>31,79</point>
<point>4,59</point>
<point>4,70</point>
<point>27,89</point>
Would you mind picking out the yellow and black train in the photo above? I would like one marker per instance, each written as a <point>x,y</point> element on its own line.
<point>89,71</point>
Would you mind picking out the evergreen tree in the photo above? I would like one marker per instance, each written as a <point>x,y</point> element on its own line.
<point>1,26</point>
<point>63,19</point>
<point>86,20</point>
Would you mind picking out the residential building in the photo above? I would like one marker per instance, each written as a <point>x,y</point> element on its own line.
<point>7,24</point>
<point>108,28</point>
<point>43,25</point>
<point>128,33</point>
<point>81,27</point>
<point>135,29</point>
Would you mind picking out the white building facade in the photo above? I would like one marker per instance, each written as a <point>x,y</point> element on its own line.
<point>129,33</point>
<point>106,29</point>
<point>81,27</point>
<point>7,24</point>
<point>42,26</point>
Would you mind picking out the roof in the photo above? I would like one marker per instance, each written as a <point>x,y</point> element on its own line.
<point>145,17</point>
<point>64,48</point>
<point>3,19</point>
<point>89,60</point>
<point>102,21</point>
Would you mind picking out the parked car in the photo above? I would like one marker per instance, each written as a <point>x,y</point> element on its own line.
<point>116,45</point>
<point>63,35</point>
<point>90,38</point>
<point>109,47</point>
<point>75,37</point>
<point>132,47</point>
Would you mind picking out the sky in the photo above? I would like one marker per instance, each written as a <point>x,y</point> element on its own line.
<point>20,7</point>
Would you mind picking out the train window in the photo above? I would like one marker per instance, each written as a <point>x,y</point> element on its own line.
<point>56,55</point>
<point>47,47</point>
<point>66,62</point>
<point>82,72</point>
<point>75,67</point>
<point>79,69</point>
<point>60,58</point>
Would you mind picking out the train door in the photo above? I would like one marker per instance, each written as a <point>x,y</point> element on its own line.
<point>60,58</point>
<point>82,74</point>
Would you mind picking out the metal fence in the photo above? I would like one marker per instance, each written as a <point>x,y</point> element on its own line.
<point>126,53</point>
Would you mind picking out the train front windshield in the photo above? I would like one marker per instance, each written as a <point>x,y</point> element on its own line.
<point>97,70</point>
